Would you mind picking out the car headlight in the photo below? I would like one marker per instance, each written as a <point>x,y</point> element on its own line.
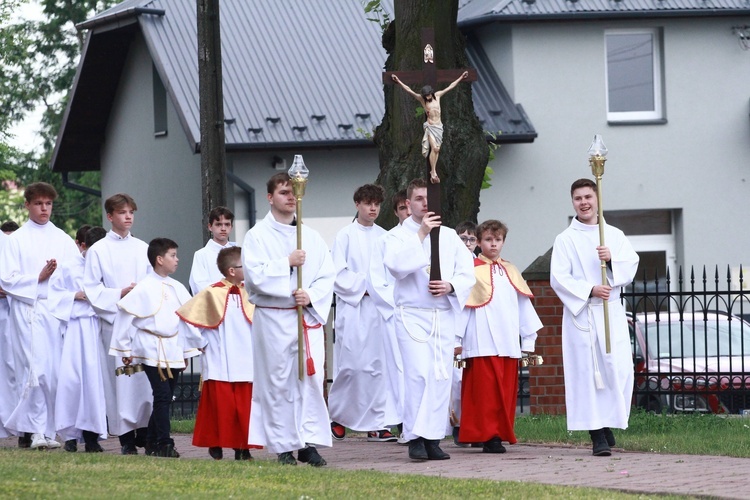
<point>690,402</point>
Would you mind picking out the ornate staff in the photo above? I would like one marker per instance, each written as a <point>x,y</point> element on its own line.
<point>298,173</point>
<point>597,157</point>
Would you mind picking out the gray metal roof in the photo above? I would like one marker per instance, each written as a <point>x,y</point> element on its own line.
<point>475,12</point>
<point>297,73</point>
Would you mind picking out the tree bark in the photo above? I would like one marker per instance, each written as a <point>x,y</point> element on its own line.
<point>464,153</point>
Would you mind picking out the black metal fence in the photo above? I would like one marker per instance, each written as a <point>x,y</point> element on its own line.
<point>691,342</point>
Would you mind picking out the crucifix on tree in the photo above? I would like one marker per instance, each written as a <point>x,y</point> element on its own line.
<point>430,76</point>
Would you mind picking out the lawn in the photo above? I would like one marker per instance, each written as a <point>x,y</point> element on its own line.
<point>699,434</point>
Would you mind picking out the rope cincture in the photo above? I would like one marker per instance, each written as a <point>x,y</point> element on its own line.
<point>434,333</point>
<point>162,351</point>
<point>598,380</point>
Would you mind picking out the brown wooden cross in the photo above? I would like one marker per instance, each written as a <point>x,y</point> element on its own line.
<point>430,75</point>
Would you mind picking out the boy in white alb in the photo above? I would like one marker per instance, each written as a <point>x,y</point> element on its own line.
<point>80,408</point>
<point>224,315</point>
<point>426,319</point>
<point>147,330</point>
<point>28,260</point>
<point>204,271</point>
<point>598,384</point>
<point>288,413</point>
<point>357,397</point>
<point>500,313</point>
<point>113,266</point>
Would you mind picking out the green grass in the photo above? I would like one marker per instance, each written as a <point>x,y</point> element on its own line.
<point>685,434</point>
<point>80,475</point>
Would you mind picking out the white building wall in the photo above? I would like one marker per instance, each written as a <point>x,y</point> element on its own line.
<point>699,161</point>
<point>152,169</point>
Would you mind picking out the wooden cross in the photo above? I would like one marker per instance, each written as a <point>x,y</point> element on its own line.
<point>430,75</point>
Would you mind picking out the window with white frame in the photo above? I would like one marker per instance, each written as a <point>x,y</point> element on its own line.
<point>634,75</point>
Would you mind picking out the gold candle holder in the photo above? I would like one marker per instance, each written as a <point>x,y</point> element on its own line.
<point>298,173</point>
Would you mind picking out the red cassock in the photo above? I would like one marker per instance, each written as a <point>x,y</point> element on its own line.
<point>488,399</point>
<point>223,415</point>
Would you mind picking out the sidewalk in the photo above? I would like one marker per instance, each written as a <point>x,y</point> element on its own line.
<point>695,475</point>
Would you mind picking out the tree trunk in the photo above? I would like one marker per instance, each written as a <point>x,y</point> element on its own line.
<point>212,147</point>
<point>464,153</point>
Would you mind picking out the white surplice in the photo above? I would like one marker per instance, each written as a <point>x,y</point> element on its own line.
<point>36,336</point>
<point>357,397</point>
<point>8,398</point>
<point>204,271</point>
<point>286,413</point>
<point>80,404</point>
<point>598,386</point>
<point>426,325</point>
<point>494,329</point>
<point>381,284</point>
<point>113,263</point>
<point>147,329</point>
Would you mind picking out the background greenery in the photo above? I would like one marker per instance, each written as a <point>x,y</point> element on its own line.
<point>38,61</point>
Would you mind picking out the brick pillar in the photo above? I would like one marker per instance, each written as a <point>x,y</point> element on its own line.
<point>546,382</point>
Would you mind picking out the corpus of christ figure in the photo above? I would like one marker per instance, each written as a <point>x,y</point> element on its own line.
<point>433,126</point>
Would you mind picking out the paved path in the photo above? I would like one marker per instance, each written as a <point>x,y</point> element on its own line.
<point>714,477</point>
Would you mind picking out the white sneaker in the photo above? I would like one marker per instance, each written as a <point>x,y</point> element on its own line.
<point>402,439</point>
<point>38,441</point>
<point>52,444</point>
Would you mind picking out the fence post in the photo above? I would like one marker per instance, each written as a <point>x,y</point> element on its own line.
<point>546,382</point>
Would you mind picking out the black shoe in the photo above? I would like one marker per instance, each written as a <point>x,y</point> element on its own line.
<point>93,448</point>
<point>310,455</point>
<point>24,441</point>
<point>167,451</point>
<point>432,446</point>
<point>600,448</point>
<point>494,445</point>
<point>287,458</point>
<point>71,445</point>
<point>216,452</point>
<point>242,454</point>
<point>128,449</point>
<point>609,436</point>
<point>417,450</point>
<point>151,450</point>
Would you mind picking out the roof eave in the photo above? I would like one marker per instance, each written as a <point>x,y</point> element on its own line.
<point>118,17</point>
<point>598,16</point>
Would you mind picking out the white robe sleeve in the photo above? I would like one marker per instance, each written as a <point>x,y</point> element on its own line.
<point>624,262</point>
<point>103,300</point>
<point>122,335</point>
<point>61,296</point>
<point>349,285</point>
<point>266,277</point>
<point>320,289</point>
<point>200,275</point>
<point>404,254</point>
<point>528,323</point>
<point>573,292</point>
<point>19,286</point>
<point>381,281</point>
